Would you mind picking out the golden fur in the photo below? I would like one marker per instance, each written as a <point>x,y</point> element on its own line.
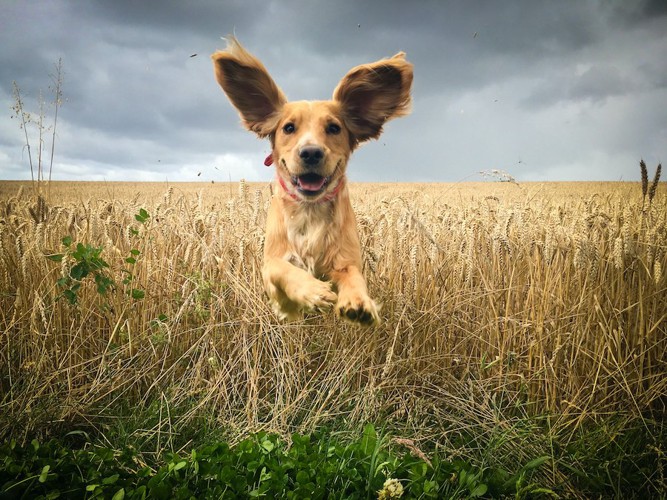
<point>312,256</point>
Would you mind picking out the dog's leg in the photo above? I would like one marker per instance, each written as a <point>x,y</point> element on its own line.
<point>353,300</point>
<point>293,290</point>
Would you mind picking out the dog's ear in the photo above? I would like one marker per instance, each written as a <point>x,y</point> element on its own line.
<point>371,94</point>
<point>249,87</point>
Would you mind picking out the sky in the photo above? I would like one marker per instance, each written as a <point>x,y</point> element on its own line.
<point>562,90</point>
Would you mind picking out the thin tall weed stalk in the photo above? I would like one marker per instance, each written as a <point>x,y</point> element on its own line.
<point>26,120</point>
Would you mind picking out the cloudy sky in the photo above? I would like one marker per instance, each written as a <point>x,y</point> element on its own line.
<point>544,90</point>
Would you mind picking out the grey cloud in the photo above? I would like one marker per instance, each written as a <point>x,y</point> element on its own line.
<point>550,84</point>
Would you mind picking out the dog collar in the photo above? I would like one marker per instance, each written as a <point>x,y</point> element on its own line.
<point>330,196</point>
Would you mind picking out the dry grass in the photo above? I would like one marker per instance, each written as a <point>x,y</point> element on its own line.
<point>500,301</point>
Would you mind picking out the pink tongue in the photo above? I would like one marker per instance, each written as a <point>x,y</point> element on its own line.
<point>314,184</point>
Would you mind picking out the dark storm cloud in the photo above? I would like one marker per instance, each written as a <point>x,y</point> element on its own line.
<point>545,90</point>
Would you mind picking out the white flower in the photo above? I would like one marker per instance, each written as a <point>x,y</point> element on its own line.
<point>392,488</point>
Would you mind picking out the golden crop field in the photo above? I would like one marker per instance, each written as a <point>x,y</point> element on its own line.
<point>500,302</point>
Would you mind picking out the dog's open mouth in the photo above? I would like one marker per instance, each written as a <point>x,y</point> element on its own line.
<point>310,184</point>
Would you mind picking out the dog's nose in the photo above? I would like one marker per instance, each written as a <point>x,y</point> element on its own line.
<point>311,156</point>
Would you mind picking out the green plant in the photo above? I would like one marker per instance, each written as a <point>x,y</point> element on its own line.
<point>89,262</point>
<point>142,217</point>
<point>320,465</point>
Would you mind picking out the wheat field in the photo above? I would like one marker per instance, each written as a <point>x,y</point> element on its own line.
<point>500,302</point>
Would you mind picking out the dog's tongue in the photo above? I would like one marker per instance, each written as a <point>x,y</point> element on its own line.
<point>311,182</point>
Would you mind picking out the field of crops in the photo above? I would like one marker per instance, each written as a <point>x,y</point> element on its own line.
<point>518,321</point>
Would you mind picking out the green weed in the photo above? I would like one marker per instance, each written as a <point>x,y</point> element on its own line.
<point>88,261</point>
<point>320,465</point>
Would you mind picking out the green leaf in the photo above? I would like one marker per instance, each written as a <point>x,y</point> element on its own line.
<point>44,474</point>
<point>110,479</point>
<point>131,260</point>
<point>100,263</point>
<point>226,475</point>
<point>120,494</point>
<point>180,465</point>
<point>430,486</point>
<point>264,475</point>
<point>57,257</point>
<point>533,464</point>
<point>142,216</point>
<point>138,294</point>
<point>67,241</point>
<point>103,283</point>
<point>418,470</point>
<point>70,296</point>
<point>478,491</point>
<point>135,252</point>
<point>79,271</point>
<point>81,252</point>
<point>302,477</point>
<point>369,440</point>
<point>268,446</point>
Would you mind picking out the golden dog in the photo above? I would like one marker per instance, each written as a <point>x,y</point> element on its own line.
<point>312,256</point>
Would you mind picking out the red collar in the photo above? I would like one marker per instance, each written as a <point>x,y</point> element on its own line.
<point>330,196</point>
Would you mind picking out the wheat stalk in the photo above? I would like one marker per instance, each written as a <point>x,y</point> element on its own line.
<point>644,175</point>
<point>654,184</point>
<point>533,331</point>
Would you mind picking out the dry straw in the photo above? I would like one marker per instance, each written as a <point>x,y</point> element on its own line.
<point>564,317</point>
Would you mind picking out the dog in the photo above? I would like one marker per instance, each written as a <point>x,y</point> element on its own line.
<point>312,254</point>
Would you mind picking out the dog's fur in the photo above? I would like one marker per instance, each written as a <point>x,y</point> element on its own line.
<point>311,237</point>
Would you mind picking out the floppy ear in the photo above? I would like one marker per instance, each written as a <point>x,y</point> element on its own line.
<point>371,94</point>
<point>249,87</point>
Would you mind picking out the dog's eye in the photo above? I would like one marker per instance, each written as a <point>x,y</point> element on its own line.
<point>289,128</point>
<point>333,129</point>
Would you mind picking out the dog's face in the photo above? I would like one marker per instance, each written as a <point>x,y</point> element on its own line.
<point>311,146</point>
<point>312,140</point>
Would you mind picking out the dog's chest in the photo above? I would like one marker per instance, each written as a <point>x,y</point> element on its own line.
<point>311,236</point>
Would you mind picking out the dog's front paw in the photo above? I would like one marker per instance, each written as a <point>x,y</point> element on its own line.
<point>314,294</point>
<point>358,307</point>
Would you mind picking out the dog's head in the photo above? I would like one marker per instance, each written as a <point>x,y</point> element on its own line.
<point>312,140</point>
